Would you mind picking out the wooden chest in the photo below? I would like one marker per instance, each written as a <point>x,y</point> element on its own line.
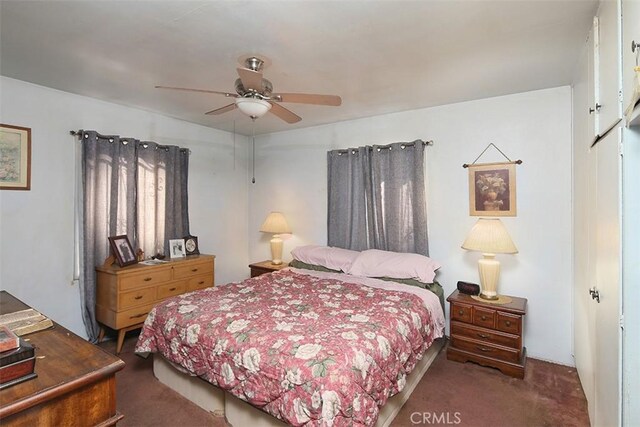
<point>126,295</point>
<point>488,334</point>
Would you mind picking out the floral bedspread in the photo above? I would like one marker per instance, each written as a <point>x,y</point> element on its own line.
<point>307,350</point>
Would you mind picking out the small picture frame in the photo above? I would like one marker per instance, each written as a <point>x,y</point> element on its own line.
<point>191,245</point>
<point>122,249</point>
<point>15,157</point>
<point>492,189</point>
<point>176,248</point>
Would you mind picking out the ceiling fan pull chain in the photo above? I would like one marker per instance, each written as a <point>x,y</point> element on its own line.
<point>253,137</point>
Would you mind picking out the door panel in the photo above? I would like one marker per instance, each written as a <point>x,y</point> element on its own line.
<point>608,63</point>
<point>608,258</point>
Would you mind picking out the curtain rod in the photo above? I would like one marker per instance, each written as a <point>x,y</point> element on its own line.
<point>388,146</point>
<point>79,133</point>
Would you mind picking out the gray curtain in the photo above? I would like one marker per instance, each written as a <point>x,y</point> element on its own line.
<point>377,198</point>
<point>109,194</point>
<point>133,188</point>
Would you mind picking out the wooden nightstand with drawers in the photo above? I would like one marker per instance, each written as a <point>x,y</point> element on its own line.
<point>125,295</point>
<point>488,334</point>
<point>263,267</point>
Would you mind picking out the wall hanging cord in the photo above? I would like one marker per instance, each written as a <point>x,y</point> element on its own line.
<point>491,144</point>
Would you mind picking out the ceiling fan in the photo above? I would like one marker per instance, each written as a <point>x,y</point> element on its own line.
<point>254,95</point>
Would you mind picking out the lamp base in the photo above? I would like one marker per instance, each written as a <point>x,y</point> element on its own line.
<point>489,269</point>
<point>489,297</point>
<point>276,250</point>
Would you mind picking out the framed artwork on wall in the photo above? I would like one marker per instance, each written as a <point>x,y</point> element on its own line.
<point>15,157</point>
<point>123,251</point>
<point>492,189</point>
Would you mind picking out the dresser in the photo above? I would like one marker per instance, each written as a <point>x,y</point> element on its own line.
<point>125,295</point>
<point>488,334</point>
<point>264,267</point>
<point>75,383</point>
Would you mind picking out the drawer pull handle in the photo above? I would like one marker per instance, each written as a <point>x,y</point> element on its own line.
<point>201,282</point>
<point>483,336</point>
<point>138,297</point>
<point>172,289</point>
<point>483,317</point>
<point>137,316</point>
<point>508,323</point>
<point>460,312</point>
<point>146,279</point>
<point>194,269</point>
<point>484,349</point>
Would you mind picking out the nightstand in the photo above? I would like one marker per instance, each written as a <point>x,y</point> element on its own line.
<point>263,267</point>
<point>488,334</point>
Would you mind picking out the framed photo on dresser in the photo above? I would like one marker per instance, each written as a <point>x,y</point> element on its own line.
<point>122,250</point>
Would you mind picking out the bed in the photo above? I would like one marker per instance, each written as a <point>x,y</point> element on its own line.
<point>305,347</point>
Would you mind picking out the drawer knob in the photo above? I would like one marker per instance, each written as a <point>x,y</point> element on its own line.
<point>484,349</point>
<point>508,323</point>
<point>146,279</point>
<point>483,317</point>
<point>172,289</point>
<point>460,312</point>
<point>137,316</point>
<point>201,282</point>
<point>138,297</point>
<point>483,336</point>
<point>194,269</point>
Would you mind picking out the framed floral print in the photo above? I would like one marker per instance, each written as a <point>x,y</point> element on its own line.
<point>15,157</point>
<point>492,189</point>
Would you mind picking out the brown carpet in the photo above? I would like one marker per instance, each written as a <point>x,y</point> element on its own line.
<point>451,393</point>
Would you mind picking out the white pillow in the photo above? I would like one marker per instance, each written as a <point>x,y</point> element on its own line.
<point>333,258</point>
<point>377,263</point>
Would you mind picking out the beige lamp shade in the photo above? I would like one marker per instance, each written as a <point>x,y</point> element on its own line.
<point>276,224</point>
<point>489,235</point>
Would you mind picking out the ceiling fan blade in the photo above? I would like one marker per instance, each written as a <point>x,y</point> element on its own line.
<point>250,79</point>
<point>233,95</point>
<point>286,115</point>
<point>308,98</point>
<point>221,110</point>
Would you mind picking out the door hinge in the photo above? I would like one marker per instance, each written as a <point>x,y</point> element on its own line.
<point>620,98</point>
<point>620,148</point>
<point>622,322</point>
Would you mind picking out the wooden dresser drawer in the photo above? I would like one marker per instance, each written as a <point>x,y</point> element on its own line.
<point>170,290</point>
<point>136,297</point>
<point>132,316</point>
<point>199,282</point>
<point>192,269</point>
<point>151,277</point>
<point>509,323</point>
<point>461,312</point>
<point>485,349</point>
<point>481,334</point>
<point>484,317</point>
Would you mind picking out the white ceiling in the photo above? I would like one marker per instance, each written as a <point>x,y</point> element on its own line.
<point>379,56</point>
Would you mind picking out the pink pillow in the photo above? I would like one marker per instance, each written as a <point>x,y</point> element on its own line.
<point>377,263</point>
<point>333,258</point>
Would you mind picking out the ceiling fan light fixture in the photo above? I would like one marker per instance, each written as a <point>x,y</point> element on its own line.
<point>253,107</point>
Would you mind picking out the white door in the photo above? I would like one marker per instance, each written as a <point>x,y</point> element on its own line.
<point>607,274</point>
<point>608,65</point>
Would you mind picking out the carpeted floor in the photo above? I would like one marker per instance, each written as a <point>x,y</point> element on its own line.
<point>450,393</point>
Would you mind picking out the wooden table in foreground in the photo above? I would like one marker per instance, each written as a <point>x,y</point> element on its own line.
<point>76,383</point>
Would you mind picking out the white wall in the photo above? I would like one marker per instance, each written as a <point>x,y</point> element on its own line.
<point>36,227</point>
<point>535,127</point>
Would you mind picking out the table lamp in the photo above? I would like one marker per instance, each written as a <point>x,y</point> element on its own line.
<point>276,224</point>
<point>490,237</point>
